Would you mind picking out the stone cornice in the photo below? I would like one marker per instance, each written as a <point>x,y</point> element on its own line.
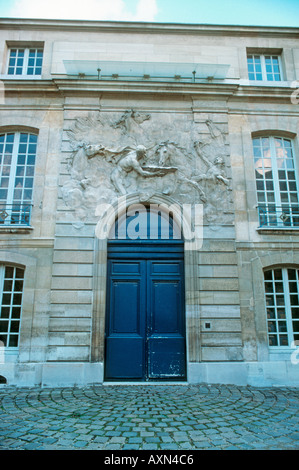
<point>148,28</point>
<point>122,86</point>
<point>224,91</point>
<point>29,86</point>
<point>269,93</point>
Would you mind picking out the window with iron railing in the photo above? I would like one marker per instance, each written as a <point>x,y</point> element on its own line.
<point>17,166</point>
<point>276,182</point>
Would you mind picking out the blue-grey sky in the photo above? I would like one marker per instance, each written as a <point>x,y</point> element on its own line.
<point>234,12</point>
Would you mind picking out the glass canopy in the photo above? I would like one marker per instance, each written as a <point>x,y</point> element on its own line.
<point>108,70</point>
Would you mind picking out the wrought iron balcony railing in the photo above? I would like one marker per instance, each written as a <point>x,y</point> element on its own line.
<point>15,215</point>
<point>272,216</point>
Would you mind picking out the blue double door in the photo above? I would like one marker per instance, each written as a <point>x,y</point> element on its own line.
<point>145,323</point>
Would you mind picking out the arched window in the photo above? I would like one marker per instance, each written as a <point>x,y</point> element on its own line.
<point>282,305</point>
<point>146,223</point>
<point>11,291</point>
<point>17,164</point>
<point>276,182</point>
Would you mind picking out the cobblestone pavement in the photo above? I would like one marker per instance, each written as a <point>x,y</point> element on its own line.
<point>152,417</point>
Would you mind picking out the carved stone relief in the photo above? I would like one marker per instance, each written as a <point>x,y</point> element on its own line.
<point>116,154</point>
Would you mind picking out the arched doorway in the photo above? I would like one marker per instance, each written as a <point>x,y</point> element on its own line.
<point>145,337</point>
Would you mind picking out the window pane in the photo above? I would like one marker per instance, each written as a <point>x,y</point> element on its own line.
<point>281,313</point>
<point>19,273</point>
<point>3,339</point>
<point>277,274</point>
<point>9,272</point>
<point>4,326</point>
<point>13,341</point>
<point>268,275</point>
<point>270,313</point>
<point>5,311</point>
<point>6,299</point>
<point>295,313</point>
<point>16,312</point>
<point>282,326</point>
<point>14,326</point>
<point>293,286</point>
<point>17,299</point>
<point>283,340</point>
<point>7,285</point>
<point>18,285</point>
<point>271,326</point>
<point>278,287</point>
<point>273,340</point>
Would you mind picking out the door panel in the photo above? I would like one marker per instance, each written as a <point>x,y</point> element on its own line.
<point>166,358</point>
<point>165,307</point>
<point>145,326</point>
<point>166,332</point>
<point>126,307</point>
<point>125,322</point>
<point>125,358</point>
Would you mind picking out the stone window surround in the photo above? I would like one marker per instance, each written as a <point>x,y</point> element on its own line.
<point>261,263</point>
<point>19,45</point>
<point>27,263</point>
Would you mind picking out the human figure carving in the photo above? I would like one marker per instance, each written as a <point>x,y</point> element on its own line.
<point>127,164</point>
<point>215,170</point>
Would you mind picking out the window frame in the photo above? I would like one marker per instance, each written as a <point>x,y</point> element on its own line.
<point>15,166</point>
<point>292,206</point>
<point>10,333</point>
<point>264,72</point>
<point>25,65</point>
<point>289,320</point>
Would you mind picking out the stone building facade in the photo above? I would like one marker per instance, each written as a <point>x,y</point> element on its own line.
<point>104,124</point>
